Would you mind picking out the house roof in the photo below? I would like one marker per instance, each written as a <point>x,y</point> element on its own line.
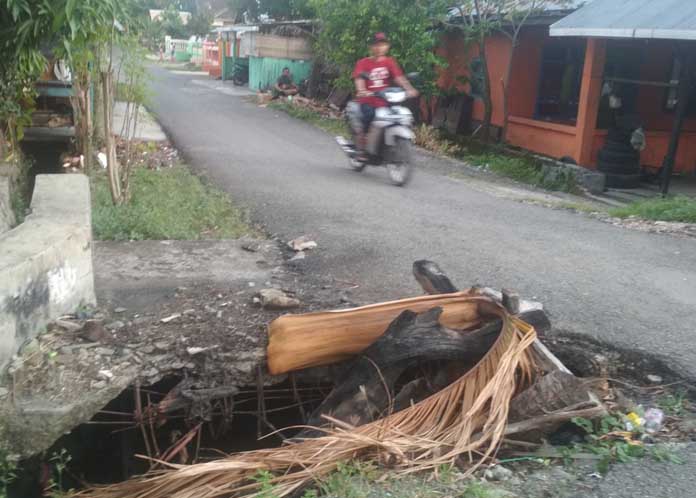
<point>546,12</point>
<point>156,15</point>
<point>664,19</point>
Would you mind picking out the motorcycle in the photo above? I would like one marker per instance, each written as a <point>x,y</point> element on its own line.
<point>389,139</point>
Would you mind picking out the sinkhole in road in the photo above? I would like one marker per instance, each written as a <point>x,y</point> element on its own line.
<point>182,421</point>
<point>161,421</point>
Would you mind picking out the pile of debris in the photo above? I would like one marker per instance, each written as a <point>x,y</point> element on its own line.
<point>424,382</point>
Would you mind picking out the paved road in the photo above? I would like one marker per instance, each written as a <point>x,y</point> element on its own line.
<point>632,288</point>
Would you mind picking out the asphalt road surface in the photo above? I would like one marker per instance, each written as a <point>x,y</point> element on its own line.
<point>631,288</point>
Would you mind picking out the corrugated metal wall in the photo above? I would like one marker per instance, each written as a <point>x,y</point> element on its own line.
<point>264,71</point>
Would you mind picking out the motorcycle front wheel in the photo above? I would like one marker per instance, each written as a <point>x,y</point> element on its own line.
<point>400,165</point>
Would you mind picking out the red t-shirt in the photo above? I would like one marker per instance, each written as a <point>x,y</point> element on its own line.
<point>382,73</point>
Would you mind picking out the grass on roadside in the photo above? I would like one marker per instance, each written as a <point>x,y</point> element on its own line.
<point>493,157</point>
<point>366,480</point>
<point>523,168</point>
<point>334,126</point>
<point>678,209</point>
<point>166,204</point>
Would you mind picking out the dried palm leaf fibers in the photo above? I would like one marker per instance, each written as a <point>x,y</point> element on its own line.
<point>466,419</point>
<point>316,339</point>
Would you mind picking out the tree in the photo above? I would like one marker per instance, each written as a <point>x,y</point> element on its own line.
<point>281,10</point>
<point>200,23</point>
<point>515,14</point>
<point>480,18</point>
<point>172,24</point>
<point>347,25</point>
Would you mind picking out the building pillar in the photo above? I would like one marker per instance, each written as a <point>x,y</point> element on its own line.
<point>590,95</point>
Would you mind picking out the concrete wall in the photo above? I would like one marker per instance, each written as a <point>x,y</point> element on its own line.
<point>7,218</point>
<point>46,262</point>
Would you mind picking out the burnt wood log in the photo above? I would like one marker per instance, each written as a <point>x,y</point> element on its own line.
<point>554,392</point>
<point>367,392</point>
<point>431,278</point>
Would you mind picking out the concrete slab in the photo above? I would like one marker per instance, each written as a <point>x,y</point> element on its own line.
<point>147,128</point>
<point>46,262</point>
<point>142,274</point>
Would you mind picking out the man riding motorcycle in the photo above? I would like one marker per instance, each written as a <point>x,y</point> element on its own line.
<point>371,75</point>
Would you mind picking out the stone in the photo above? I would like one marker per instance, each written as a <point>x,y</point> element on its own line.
<point>100,384</point>
<point>655,379</point>
<point>302,244</point>
<point>162,345</point>
<point>498,473</point>
<point>105,351</point>
<point>105,375</point>
<point>299,256</point>
<point>252,245</point>
<point>120,310</point>
<point>116,325</point>
<point>68,325</point>
<point>4,392</point>
<point>147,349</point>
<point>276,299</point>
<point>94,331</point>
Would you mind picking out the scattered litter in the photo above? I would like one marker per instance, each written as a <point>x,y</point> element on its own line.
<point>171,318</point>
<point>197,350</point>
<point>655,379</point>
<point>302,244</point>
<point>498,473</point>
<point>654,418</point>
<point>299,256</point>
<point>101,157</point>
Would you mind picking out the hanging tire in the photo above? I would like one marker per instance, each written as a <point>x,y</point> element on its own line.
<point>618,169</point>
<point>623,181</point>
<point>400,166</point>
<point>612,156</point>
<point>619,148</point>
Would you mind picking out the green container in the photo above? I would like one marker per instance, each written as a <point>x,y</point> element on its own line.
<point>182,56</point>
<point>264,71</point>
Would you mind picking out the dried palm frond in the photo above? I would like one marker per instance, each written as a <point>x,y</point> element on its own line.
<point>316,339</point>
<point>466,419</point>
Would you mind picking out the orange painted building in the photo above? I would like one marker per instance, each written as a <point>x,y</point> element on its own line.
<point>556,102</point>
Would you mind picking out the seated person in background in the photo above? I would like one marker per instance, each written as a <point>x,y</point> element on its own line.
<point>285,86</point>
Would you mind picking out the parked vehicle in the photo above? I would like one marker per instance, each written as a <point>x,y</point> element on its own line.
<point>389,139</point>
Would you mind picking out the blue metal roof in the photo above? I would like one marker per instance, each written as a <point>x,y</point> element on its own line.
<point>660,19</point>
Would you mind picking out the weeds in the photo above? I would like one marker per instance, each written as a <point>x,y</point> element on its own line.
<point>350,480</point>
<point>265,478</point>
<point>608,439</point>
<point>673,404</point>
<point>59,463</point>
<point>334,126</point>
<point>8,473</point>
<point>166,204</point>
<point>677,209</point>
<point>431,139</point>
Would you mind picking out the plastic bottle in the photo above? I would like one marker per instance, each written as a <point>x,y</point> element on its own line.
<point>654,418</point>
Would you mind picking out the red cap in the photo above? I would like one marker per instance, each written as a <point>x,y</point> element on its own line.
<point>379,38</point>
